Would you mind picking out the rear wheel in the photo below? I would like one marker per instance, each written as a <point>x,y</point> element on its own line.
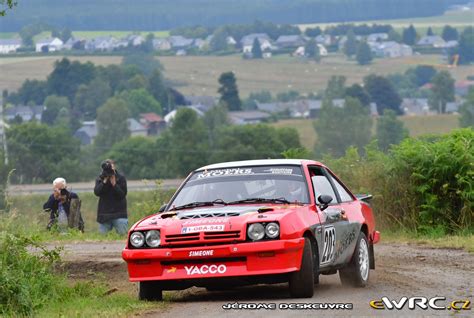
<point>356,273</point>
<point>150,291</point>
<point>302,282</point>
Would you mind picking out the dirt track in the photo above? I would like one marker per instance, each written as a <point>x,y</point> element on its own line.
<point>402,270</point>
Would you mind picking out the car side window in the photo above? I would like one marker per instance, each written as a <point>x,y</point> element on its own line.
<point>343,194</point>
<point>321,184</point>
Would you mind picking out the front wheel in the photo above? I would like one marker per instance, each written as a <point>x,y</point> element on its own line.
<point>356,273</point>
<point>302,281</point>
<point>150,291</point>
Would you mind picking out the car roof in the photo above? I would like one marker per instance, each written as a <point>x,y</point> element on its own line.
<point>262,162</point>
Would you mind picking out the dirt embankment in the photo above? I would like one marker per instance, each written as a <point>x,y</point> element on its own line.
<point>401,270</point>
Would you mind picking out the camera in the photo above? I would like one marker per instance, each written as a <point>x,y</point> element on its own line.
<point>107,170</point>
<point>64,192</point>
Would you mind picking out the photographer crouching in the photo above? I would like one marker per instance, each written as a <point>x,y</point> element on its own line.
<point>60,204</point>
<point>111,188</point>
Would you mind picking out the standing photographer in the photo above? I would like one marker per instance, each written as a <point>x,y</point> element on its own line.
<point>111,188</point>
<point>59,206</point>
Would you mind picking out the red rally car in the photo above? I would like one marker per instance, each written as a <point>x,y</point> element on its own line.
<point>251,222</point>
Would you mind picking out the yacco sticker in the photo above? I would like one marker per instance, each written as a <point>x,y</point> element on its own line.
<point>205,269</point>
<point>206,221</point>
<point>203,228</point>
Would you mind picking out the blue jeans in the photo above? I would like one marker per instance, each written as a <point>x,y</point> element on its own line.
<point>120,225</point>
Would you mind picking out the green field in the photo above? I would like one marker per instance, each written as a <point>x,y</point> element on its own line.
<point>416,125</point>
<point>88,34</point>
<point>198,75</point>
<point>458,19</point>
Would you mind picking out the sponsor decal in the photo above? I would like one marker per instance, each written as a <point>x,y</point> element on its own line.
<point>201,253</point>
<point>345,242</point>
<point>288,306</point>
<point>279,171</point>
<point>205,269</point>
<point>224,172</point>
<point>206,221</point>
<point>412,303</point>
<point>171,270</point>
<point>203,228</point>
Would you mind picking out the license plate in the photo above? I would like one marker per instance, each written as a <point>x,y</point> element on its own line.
<point>203,228</point>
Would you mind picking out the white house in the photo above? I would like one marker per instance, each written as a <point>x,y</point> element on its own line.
<point>432,40</point>
<point>263,39</point>
<point>324,39</point>
<point>9,45</point>
<point>49,44</point>
<point>390,49</point>
<point>161,44</point>
<point>300,51</point>
<point>377,37</point>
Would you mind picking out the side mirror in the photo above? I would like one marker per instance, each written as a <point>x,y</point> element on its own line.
<point>324,201</point>
<point>163,207</point>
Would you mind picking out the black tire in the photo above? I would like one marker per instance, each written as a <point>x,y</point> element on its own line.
<point>356,273</point>
<point>301,283</point>
<point>150,291</point>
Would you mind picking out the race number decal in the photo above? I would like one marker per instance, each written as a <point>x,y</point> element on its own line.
<point>329,244</point>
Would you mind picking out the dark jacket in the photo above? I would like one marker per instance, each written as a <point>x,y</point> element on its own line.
<point>52,205</point>
<point>112,199</point>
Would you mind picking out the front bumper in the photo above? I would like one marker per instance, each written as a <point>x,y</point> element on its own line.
<point>242,259</point>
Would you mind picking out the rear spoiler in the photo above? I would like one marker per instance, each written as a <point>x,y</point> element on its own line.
<point>364,197</point>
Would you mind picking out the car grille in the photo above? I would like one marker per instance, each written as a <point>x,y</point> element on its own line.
<point>202,238</point>
<point>208,215</point>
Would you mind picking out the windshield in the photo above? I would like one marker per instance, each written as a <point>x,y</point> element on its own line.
<point>276,184</point>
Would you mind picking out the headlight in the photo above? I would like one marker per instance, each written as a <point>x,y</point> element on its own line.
<point>256,231</point>
<point>137,239</point>
<point>272,230</point>
<point>153,238</point>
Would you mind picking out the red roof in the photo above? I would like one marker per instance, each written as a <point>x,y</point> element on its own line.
<point>151,117</point>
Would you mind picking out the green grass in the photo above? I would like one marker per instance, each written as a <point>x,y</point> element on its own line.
<point>416,125</point>
<point>8,35</point>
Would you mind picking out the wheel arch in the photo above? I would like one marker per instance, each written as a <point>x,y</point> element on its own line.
<point>365,229</point>
<point>314,244</point>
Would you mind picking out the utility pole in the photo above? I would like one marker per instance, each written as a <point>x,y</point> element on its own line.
<point>3,127</point>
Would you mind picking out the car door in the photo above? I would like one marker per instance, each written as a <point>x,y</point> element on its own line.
<point>330,229</point>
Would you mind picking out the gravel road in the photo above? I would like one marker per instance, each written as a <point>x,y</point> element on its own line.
<point>402,270</point>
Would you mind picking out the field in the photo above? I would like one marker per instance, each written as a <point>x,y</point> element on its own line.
<point>456,18</point>
<point>416,125</point>
<point>198,74</point>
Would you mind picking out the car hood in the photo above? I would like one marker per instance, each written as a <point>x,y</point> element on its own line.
<point>226,218</point>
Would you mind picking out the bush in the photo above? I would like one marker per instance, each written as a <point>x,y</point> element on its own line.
<point>421,184</point>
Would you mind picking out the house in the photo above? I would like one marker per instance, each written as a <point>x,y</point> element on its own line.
<point>415,106</point>
<point>247,42</point>
<point>101,43</point>
<point>181,52</point>
<point>199,43</point>
<point>72,43</point>
<point>231,41</point>
<point>49,45</point>
<point>290,41</point>
<point>161,44</point>
<point>451,44</point>
<point>461,88</point>
<point>170,116</point>
<point>453,107</point>
<point>135,39</point>
<point>136,128</point>
<point>153,123</point>
<point>342,41</point>
<point>390,49</point>
<point>432,41</point>
<point>9,45</point>
<point>180,42</point>
<point>377,37</point>
<point>324,39</point>
<point>26,113</point>
<point>204,102</point>
<point>248,117</point>
<point>301,51</point>
<point>87,133</point>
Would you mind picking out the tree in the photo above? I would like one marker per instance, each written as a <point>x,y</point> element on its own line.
<point>450,33</point>
<point>145,62</point>
<point>229,91</point>
<point>214,119</point>
<point>383,93</point>
<point>409,35</point>
<point>54,104</point>
<point>335,87</point>
<point>358,92</point>
<point>356,131</point>
<point>89,97</point>
<point>157,88</point>
<point>423,74</point>
<point>313,32</point>
<point>364,54</point>
<point>112,123</point>
<point>219,40</point>
<point>30,91</point>
<point>140,101</point>
<point>66,34</point>
<point>394,36</point>
<point>466,111</point>
<point>311,50</point>
<point>256,49</point>
<point>250,102</point>
<point>5,5</point>
<point>429,32</point>
<point>466,46</point>
<point>442,91</point>
<point>55,33</point>
<point>390,130</point>
<point>288,96</point>
<point>350,46</point>
<point>28,32</point>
